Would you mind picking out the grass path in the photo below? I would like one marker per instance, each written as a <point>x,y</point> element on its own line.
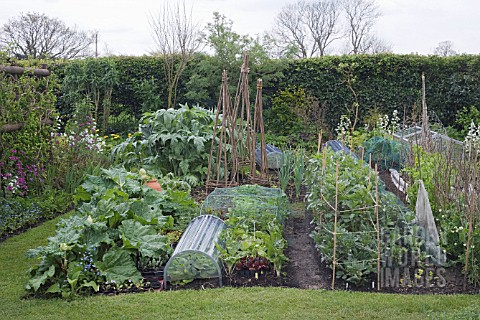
<point>225,303</point>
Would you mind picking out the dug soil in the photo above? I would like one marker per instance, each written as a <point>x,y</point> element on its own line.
<point>303,269</point>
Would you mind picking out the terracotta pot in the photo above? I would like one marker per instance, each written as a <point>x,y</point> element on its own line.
<point>154,185</point>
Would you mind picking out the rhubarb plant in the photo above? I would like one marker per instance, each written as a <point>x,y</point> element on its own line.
<point>119,226</point>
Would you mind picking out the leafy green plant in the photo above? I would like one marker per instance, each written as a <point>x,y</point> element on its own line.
<point>254,229</point>
<point>356,242</point>
<point>172,140</point>
<point>285,170</point>
<point>117,231</point>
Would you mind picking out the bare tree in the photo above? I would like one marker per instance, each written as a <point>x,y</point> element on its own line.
<point>361,16</point>
<point>445,49</point>
<point>34,35</point>
<point>373,45</point>
<point>177,38</point>
<point>292,31</point>
<point>308,26</point>
<point>321,18</point>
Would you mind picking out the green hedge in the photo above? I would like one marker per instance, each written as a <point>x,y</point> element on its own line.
<point>385,82</point>
<point>389,82</point>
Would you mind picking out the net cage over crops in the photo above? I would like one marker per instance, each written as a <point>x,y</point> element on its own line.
<point>440,140</point>
<point>247,199</point>
<point>386,152</point>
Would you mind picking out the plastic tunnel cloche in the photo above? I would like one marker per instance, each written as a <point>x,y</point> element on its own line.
<point>196,255</point>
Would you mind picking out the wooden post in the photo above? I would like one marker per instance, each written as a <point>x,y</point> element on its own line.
<point>319,141</point>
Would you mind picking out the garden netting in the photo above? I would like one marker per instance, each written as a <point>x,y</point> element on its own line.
<point>250,199</point>
<point>385,152</point>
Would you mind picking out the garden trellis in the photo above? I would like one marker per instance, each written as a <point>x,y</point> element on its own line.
<point>354,216</point>
<point>223,164</point>
<point>262,147</point>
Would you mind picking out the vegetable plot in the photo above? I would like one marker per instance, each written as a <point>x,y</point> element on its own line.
<point>117,232</point>
<point>253,241</point>
<point>357,228</point>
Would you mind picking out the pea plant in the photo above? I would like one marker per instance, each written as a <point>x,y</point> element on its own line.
<point>356,241</point>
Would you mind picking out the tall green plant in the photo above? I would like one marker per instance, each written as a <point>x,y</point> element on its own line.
<point>285,171</point>
<point>298,170</point>
<point>356,230</point>
<point>93,79</point>
<point>172,140</point>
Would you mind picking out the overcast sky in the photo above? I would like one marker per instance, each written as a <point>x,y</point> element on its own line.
<point>410,26</point>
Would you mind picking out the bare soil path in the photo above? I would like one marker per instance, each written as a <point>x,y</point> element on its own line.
<point>303,268</point>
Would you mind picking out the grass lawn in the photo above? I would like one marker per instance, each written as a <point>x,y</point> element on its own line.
<point>226,303</point>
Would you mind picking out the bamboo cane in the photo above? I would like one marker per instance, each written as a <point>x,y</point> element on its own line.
<point>335,228</point>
